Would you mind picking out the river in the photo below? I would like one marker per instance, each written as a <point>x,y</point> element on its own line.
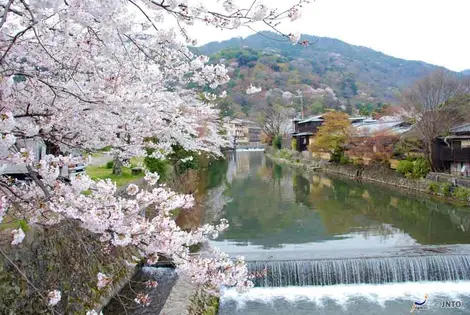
<point>336,246</point>
<point>324,245</point>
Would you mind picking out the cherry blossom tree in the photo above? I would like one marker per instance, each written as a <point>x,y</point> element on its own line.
<point>84,74</point>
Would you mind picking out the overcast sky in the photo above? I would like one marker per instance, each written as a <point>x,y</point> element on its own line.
<point>434,31</point>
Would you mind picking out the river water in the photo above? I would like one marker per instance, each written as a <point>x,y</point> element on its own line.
<point>335,246</point>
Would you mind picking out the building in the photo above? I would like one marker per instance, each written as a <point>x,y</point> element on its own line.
<point>451,154</point>
<point>389,125</point>
<point>244,132</point>
<point>305,129</point>
<point>37,146</point>
<point>254,134</point>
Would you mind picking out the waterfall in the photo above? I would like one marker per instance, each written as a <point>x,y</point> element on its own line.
<point>365,270</point>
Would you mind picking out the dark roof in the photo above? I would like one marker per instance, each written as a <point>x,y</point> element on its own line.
<point>461,129</point>
<point>320,118</point>
<point>312,118</point>
<point>302,134</point>
<point>455,137</point>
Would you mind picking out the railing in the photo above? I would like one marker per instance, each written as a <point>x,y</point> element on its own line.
<point>452,155</point>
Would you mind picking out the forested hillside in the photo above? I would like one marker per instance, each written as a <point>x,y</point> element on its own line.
<point>329,73</point>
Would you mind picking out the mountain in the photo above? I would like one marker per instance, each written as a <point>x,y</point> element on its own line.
<point>465,72</point>
<point>329,73</point>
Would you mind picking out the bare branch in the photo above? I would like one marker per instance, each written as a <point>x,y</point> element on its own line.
<point>5,13</point>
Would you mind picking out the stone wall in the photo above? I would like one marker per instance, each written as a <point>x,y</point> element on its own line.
<point>66,258</point>
<point>448,178</point>
<point>373,173</point>
<point>379,174</point>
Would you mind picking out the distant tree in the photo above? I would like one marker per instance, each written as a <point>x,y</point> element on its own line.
<point>461,102</point>
<point>384,110</point>
<point>246,106</point>
<point>349,108</point>
<point>348,87</point>
<point>363,111</point>
<point>366,109</point>
<point>429,104</point>
<point>225,107</point>
<point>378,146</point>
<point>274,121</point>
<point>316,108</point>
<point>333,134</point>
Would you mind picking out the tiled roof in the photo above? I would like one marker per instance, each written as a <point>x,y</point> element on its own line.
<point>380,126</point>
<point>320,118</point>
<point>461,128</point>
<point>312,118</point>
<point>302,134</point>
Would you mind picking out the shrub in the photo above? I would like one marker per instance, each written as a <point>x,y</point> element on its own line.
<point>337,154</point>
<point>446,189</point>
<point>157,166</point>
<point>285,154</point>
<point>420,168</point>
<point>293,144</point>
<point>405,167</point>
<point>358,161</point>
<point>277,142</point>
<point>344,159</point>
<point>110,164</point>
<point>461,193</point>
<point>434,187</point>
<point>182,159</point>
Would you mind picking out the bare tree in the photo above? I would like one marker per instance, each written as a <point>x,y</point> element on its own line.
<point>427,104</point>
<point>275,120</point>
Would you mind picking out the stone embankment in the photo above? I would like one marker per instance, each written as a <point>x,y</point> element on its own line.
<point>375,173</point>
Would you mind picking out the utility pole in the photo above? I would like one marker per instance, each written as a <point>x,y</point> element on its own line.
<point>299,93</point>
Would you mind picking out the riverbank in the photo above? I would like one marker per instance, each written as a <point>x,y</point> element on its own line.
<point>376,173</point>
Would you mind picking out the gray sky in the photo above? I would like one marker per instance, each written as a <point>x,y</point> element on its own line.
<point>434,31</point>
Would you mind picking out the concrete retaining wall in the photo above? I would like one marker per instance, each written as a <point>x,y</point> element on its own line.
<point>448,178</point>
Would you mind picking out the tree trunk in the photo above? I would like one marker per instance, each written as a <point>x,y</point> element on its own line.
<point>117,166</point>
<point>428,155</point>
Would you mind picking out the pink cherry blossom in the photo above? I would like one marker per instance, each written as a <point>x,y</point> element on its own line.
<point>103,280</point>
<point>85,74</point>
<point>18,236</point>
<point>54,297</point>
<point>142,299</point>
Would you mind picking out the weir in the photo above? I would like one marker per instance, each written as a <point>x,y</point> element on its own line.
<point>361,270</point>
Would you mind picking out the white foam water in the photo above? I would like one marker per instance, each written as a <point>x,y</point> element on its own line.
<point>343,294</point>
<point>249,149</point>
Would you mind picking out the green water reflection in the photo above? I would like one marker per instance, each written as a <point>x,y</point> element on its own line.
<point>271,206</point>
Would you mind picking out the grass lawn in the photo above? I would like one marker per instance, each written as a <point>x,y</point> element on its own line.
<point>101,172</point>
<point>137,161</point>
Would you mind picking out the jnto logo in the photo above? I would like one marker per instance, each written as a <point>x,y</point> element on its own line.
<point>417,305</point>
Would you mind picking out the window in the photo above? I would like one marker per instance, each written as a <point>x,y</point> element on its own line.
<point>465,144</point>
<point>456,145</point>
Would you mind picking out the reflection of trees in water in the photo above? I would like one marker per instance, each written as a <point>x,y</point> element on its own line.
<point>215,201</point>
<point>347,204</point>
<point>387,231</point>
<point>243,164</point>
<point>271,203</point>
<point>302,189</point>
<point>263,208</point>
